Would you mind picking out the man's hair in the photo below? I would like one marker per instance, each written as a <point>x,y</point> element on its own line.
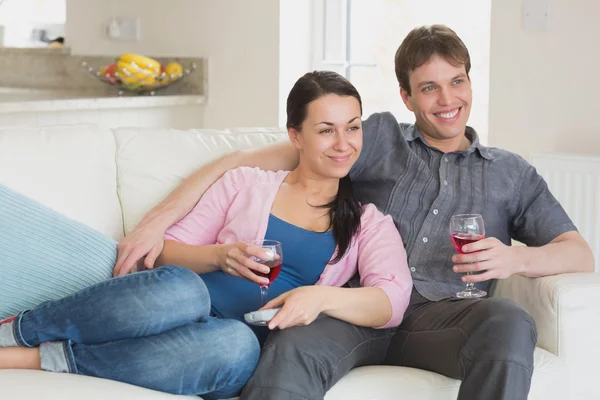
<point>424,42</point>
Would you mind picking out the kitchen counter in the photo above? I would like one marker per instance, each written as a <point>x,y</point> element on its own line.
<point>14,100</point>
<point>63,91</point>
<point>45,107</point>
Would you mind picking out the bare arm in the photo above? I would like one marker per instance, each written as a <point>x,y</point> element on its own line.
<point>369,306</point>
<point>568,252</point>
<point>200,259</point>
<point>147,237</point>
<point>231,258</point>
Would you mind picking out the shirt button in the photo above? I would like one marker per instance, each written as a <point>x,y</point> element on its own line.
<point>412,269</point>
<point>435,212</point>
<point>445,182</point>
<point>445,159</point>
<point>425,240</point>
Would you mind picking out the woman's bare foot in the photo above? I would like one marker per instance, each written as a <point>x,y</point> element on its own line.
<point>19,358</point>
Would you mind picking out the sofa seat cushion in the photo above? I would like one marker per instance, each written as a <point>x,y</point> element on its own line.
<point>385,382</point>
<point>38,385</point>
<point>365,383</point>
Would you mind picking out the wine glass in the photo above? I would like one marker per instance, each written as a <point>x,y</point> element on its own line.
<point>274,260</point>
<point>465,229</point>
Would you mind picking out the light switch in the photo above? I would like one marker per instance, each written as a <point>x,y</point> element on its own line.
<point>127,29</point>
<point>536,15</point>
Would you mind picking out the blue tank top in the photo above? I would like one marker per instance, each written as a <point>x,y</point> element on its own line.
<point>305,255</point>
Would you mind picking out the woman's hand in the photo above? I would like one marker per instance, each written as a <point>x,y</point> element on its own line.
<point>301,306</point>
<point>234,259</point>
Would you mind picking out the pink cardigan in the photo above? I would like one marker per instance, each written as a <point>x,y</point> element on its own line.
<point>237,208</point>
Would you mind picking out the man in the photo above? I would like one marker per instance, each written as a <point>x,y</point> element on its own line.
<point>421,175</point>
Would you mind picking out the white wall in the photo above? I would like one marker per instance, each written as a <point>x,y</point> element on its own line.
<point>240,38</point>
<point>544,85</point>
<point>33,11</point>
<point>294,47</point>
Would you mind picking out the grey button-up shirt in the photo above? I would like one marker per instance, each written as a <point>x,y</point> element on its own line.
<point>421,188</point>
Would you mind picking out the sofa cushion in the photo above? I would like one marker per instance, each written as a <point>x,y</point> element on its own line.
<point>153,162</point>
<point>364,383</point>
<point>41,385</point>
<point>68,168</point>
<point>385,382</point>
<point>45,255</point>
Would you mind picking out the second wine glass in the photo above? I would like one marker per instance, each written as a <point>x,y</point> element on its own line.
<point>465,229</point>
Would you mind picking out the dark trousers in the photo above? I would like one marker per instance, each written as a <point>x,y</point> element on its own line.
<point>486,343</point>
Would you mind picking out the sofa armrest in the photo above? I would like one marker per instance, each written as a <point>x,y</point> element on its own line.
<point>566,309</point>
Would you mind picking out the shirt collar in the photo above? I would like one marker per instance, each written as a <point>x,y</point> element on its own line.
<point>414,133</point>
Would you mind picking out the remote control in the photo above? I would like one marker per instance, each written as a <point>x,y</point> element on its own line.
<point>261,317</point>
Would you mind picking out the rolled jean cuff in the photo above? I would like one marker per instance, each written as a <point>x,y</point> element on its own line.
<point>57,357</point>
<point>7,335</point>
<point>17,330</point>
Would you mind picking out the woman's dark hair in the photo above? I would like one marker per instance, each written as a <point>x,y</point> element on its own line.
<point>344,211</point>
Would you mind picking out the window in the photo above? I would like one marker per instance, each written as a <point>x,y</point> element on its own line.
<point>359,38</point>
<point>339,48</point>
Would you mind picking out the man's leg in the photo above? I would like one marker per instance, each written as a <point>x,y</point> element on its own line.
<point>486,343</point>
<point>303,362</point>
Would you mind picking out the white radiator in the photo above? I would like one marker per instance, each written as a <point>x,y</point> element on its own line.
<point>575,182</point>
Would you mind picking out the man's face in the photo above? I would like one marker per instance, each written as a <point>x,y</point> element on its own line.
<point>440,98</point>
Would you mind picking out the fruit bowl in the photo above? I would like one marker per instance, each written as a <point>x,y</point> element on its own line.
<point>138,74</point>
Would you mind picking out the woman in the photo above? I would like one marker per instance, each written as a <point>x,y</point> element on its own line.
<point>178,328</point>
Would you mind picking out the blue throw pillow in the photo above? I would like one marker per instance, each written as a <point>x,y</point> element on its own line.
<point>45,255</point>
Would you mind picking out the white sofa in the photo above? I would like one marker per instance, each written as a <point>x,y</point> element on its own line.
<point>108,179</point>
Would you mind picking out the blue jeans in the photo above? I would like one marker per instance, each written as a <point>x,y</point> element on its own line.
<point>150,329</point>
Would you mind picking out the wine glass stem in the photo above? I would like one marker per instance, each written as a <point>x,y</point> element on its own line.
<point>263,294</point>
<point>470,285</point>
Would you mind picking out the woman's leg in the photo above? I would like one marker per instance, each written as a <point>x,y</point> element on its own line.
<point>141,304</point>
<point>213,358</point>
<point>19,358</point>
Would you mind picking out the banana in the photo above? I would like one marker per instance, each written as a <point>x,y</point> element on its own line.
<point>131,73</point>
<point>141,61</point>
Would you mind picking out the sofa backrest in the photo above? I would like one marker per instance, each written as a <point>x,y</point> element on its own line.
<point>153,162</point>
<point>108,179</point>
<point>71,169</point>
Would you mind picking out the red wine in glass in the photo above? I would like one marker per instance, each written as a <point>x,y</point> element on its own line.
<point>461,239</point>
<point>275,268</point>
<point>465,229</point>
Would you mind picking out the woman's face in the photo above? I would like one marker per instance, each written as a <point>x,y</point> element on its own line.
<point>331,137</point>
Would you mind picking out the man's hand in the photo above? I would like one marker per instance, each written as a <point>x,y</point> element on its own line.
<point>142,241</point>
<point>497,260</point>
<point>301,306</point>
<point>234,259</point>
